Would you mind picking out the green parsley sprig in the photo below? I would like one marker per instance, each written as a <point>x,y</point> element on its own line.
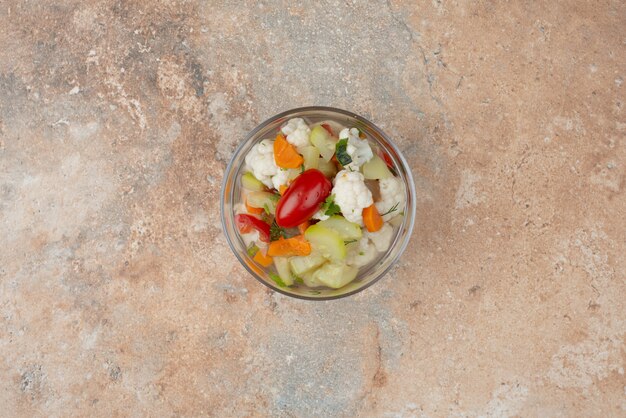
<point>329,207</point>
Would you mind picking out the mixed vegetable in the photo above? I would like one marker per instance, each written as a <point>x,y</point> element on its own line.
<point>318,203</point>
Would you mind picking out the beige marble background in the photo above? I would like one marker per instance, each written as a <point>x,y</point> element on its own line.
<point>119,296</point>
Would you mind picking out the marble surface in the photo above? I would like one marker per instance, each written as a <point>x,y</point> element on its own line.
<point>119,296</point>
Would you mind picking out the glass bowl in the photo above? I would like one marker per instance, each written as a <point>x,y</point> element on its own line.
<point>231,195</point>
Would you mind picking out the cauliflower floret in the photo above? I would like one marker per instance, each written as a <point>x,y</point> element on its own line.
<point>381,238</point>
<point>369,246</point>
<point>297,132</point>
<point>260,161</point>
<point>358,149</point>
<point>281,178</point>
<point>391,193</point>
<point>360,253</point>
<point>352,195</point>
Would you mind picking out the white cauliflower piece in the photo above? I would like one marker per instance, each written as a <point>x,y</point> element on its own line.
<point>381,238</point>
<point>360,253</point>
<point>391,193</point>
<point>320,215</point>
<point>358,149</point>
<point>369,246</point>
<point>260,161</point>
<point>351,195</point>
<point>297,132</point>
<point>280,179</point>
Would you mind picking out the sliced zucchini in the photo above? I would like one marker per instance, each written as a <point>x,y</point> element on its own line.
<point>335,275</point>
<point>303,264</point>
<point>248,181</point>
<point>311,156</point>
<point>308,280</point>
<point>327,167</point>
<point>283,270</point>
<point>323,141</point>
<point>376,169</point>
<point>264,200</point>
<point>347,230</point>
<point>334,126</point>
<point>326,242</point>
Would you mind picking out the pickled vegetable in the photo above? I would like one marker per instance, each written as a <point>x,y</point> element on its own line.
<point>376,169</point>
<point>301,265</point>
<point>309,281</point>
<point>323,141</point>
<point>283,270</point>
<point>311,157</point>
<point>302,199</point>
<point>327,242</point>
<point>263,200</point>
<point>248,181</point>
<point>335,275</point>
<point>347,230</point>
<point>327,167</point>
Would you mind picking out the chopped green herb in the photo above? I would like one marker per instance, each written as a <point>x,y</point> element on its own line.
<point>252,250</point>
<point>349,241</point>
<point>297,279</point>
<point>393,208</point>
<point>266,209</point>
<point>302,169</point>
<point>329,207</point>
<point>361,253</point>
<point>276,278</point>
<point>276,231</point>
<point>341,150</point>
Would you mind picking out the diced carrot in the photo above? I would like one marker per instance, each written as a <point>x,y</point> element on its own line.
<point>262,259</point>
<point>289,247</point>
<point>285,154</point>
<point>372,219</point>
<point>282,189</point>
<point>303,226</point>
<point>253,210</point>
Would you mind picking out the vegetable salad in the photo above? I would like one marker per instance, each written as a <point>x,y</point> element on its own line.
<point>319,202</point>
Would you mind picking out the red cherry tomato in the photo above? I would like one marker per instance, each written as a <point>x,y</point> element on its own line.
<point>247,223</point>
<point>386,158</point>
<point>302,198</point>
